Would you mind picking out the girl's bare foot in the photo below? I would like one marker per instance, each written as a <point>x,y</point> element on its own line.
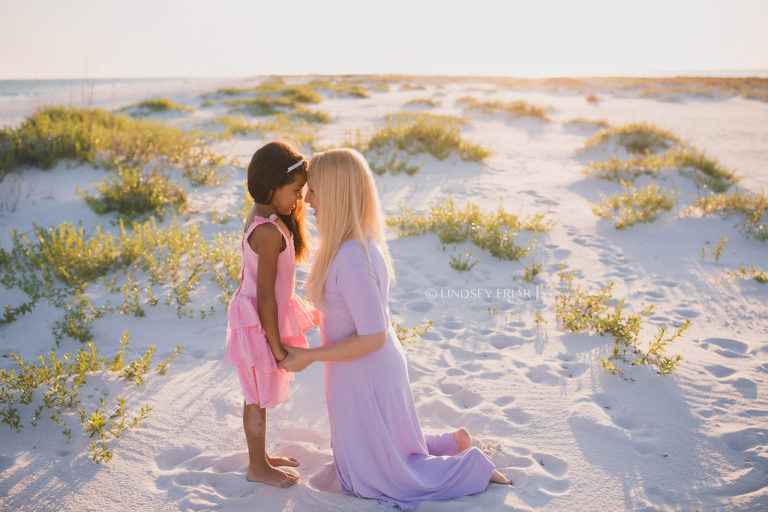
<point>498,478</point>
<point>282,461</point>
<point>463,439</point>
<point>272,476</point>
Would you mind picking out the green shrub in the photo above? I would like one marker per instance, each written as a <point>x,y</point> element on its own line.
<point>633,205</point>
<point>463,263</point>
<point>131,193</point>
<point>411,133</point>
<point>58,264</point>
<point>429,102</point>
<point>153,106</point>
<point>754,207</point>
<point>690,161</point>
<point>102,139</point>
<point>635,138</point>
<point>494,232</point>
<point>580,311</point>
<point>64,378</point>
<point>408,335</point>
<point>513,109</point>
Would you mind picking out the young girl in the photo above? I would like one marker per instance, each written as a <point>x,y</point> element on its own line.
<point>264,314</point>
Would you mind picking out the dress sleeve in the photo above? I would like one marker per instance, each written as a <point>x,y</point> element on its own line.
<point>360,289</point>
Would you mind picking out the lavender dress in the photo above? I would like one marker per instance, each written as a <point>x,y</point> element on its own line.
<point>379,449</point>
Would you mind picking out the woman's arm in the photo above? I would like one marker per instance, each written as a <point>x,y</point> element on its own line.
<point>348,349</point>
<point>359,288</point>
<point>267,239</point>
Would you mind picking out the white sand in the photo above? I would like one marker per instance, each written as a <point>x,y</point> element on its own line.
<point>570,436</point>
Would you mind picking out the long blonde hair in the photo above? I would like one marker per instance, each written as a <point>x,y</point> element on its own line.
<point>349,209</point>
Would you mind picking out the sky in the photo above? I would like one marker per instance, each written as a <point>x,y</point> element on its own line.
<point>534,38</point>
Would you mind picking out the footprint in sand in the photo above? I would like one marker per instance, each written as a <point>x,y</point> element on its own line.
<point>466,398</point>
<point>175,456</point>
<point>517,415</point>
<point>420,306</point>
<point>543,374</point>
<point>727,347</point>
<point>752,442</point>
<point>720,371</point>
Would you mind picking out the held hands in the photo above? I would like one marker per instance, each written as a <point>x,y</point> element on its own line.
<point>297,359</point>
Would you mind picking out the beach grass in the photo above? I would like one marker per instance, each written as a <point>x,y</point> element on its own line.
<point>579,310</point>
<point>760,276</point>
<point>463,262</point>
<point>638,137</point>
<point>691,161</point>
<point>494,232</point>
<point>132,193</point>
<point>154,106</point>
<point>104,139</point>
<point>634,205</point>
<point>58,264</point>
<point>64,377</point>
<point>754,208</point>
<point>426,102</point>
<point>587,122</point>
<point>411,133</point>
<point>512,109</point>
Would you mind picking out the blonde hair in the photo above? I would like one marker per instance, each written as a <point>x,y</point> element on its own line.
<point>349,209</point>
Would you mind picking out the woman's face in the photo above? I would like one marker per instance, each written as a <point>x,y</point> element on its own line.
<point>311,198</point>
<point>288,195</point>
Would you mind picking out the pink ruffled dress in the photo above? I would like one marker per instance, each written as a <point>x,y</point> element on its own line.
<point>262,381</point>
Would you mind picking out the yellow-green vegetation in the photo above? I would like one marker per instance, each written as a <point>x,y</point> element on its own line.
<point>637,137</point>
<point>153,106</point>
<point>233,125</point>
<point>690,161</point>
<point>131,193</point>
<point>58,264</point>
<point>583,121</point>
<point>463,263</point>
<point>754,207</point>
<point>428,102</point>
<point>410,133</point>
<point>512,109</point>
<point>273,96</point>
<point>718,250</point>
<point>531,272</point>
<point>592,99</point>
<point>341,88</point>
<point>411,87</point>
<point>64,378</point>
<point>410,334</point>
<point>761,276</point>
<point>756,95</point>
<point>297,125</point>
<point>104,139</point>
<point>495,232</point>
<point>580,311</point>
<point>634,205</point>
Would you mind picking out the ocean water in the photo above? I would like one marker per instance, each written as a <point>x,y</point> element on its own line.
<point>21,88</point>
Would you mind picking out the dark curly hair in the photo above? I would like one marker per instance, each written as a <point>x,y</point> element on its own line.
<point>267,172</point>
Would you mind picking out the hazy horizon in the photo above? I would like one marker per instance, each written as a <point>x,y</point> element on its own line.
<point>88,39</point>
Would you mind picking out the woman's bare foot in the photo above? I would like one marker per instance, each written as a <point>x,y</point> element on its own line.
<point>498,478</point>
<point>272,476</point>
<point>463,439</point>
<point>282,461</point>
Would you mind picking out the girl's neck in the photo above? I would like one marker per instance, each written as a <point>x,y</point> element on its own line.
<point>264,210</point>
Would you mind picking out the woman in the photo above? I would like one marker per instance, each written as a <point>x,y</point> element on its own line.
<point>379,449</point>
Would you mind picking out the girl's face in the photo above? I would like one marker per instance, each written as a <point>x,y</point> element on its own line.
<point>285,198</point>
<point>312,199</point>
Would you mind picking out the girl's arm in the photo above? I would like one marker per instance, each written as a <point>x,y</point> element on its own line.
<point>267,238</point>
